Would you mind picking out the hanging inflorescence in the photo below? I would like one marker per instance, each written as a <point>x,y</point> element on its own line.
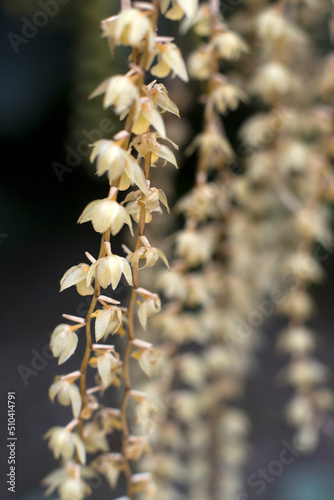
<point>127,160</point>
<point>199,452</point>
<point>250,226</point>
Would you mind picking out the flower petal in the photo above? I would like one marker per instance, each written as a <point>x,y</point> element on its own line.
<point>101,323</point>
<point>73,276</point>
<point>87,214</point>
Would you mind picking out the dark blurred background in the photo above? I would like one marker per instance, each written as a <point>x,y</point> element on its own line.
<point>46,124</point>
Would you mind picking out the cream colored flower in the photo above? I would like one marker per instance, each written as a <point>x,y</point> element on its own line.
<point>67,394</point>
<point>94,438</point>
<point>202,25</point>
<point>147,116</point>
<point>220,359</point>
<point>106,214</point>
<point>173,284</point>
<point>215,147</point>
<point>199,471</point>
<point>229,45</point>
<point>117,162</point>
<point>311,223</point>
<point>145,354</point>
<point>182,329</point>
<point>160,97</point>
<point>298,305</point>
<point>200,436</point>
<point>150,306</point>
<point>77,275</point>
<point>199,293</point>
<point>150,254</point>
<point>274,28</point>
<point>69,482</point>
<point>303,266</point>
<point>192,370</point>
<point>110,465</point>
<point>92,404</point>
<point>293,156</point>
<point>111,419</point>
<point>204,202</point>
<point>305,372</point>
<point>108,366</point>
<point>169,60</point>
<point>299,411</point>
<point>65,444</point>
<point>259,130</point>
<point>179,8</point>
<point>166,465</point>
<point>199,63</point>
<point>136,446</point>
<point>135,200</point>
<point>148,143</point>
<point>63,342</point>
<point>119,91</point>
<point>187,405</point>
<point>131,27</point>
<point>110,270</point>
<point>226,96</point>
<point>234,423</point>
<point>297,340</point>
<point>273,80</point>
<point>107,321</point>
<point>194,248</point>
<point>143,482</point>
<point>234,453</point>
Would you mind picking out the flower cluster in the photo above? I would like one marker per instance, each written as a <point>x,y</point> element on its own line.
<point>287,182</point>
<point>202,447</point>
<point>250,225</point>
<point>126,159</point>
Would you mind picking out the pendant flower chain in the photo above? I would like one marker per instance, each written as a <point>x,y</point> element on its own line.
<point>127,160</point>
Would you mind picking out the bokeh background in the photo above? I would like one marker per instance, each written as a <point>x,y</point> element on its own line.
<point>44,117</point>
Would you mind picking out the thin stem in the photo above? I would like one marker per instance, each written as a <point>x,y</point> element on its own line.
<point>88,349</point>
<point>141,228</point>
<point>131,336</point>
<point>214,8</point>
